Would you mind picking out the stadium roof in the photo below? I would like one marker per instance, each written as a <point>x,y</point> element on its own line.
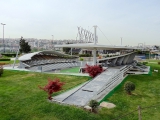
<point>46,52</point>
<point>96,46</point>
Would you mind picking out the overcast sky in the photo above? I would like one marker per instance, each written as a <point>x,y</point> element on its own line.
<point>136,21</point>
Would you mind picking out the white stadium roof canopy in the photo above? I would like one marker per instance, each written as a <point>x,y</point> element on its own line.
<point>96,46</point>
<point>47,52</point>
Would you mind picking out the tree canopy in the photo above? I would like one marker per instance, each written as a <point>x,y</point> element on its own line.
<point>66,49</point>
<point>24,47</point>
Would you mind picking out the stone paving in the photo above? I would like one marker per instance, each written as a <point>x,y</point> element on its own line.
<point>81,95</point>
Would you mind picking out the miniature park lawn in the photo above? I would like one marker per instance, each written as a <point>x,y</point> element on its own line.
<point>20,98</point>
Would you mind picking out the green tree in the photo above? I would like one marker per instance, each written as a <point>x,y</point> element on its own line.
<point>24,47</point>
<point>129,86</point>
<point>1,70</point>
<point>94,105</point>
<point>66,49</point>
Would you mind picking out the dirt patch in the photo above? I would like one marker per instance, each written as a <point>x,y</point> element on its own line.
<point>2,63</point>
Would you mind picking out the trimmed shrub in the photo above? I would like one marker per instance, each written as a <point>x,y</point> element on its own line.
<point>139,64</point>
<point>1,70</point>
<point>93,103</point>
<point>3,59</point>
<point>129,86</point>
<point>81,59</point>
<point>85,55</point>
<point>144,63</point>
<point>107,55</point>
<point>9,54</point>
<point>93,70</point>
<point>52,86</point>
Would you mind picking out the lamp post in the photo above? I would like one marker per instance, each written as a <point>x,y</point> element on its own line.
<point>52,37</point>
<point>121,41</point>
<point>52,41</point>
<point>3,38</point>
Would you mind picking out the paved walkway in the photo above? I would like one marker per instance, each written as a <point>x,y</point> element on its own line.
<point>81,95</point>
<point>75,74</point>
<point>153,62</point>
<point>9,67</point>
<point>15,68</point>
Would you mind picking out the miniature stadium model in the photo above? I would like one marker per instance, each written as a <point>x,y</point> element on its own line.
<point>101,85</point>
<point>116,67</point>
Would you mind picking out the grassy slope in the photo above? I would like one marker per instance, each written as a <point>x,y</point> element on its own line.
<point>20,98</point>
<point>147,93</point>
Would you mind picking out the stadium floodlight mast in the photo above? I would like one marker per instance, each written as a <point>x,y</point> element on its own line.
<point>3,38</point>
<point>87,37</point>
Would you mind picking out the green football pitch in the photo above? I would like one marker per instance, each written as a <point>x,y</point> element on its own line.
<point>70,70</point>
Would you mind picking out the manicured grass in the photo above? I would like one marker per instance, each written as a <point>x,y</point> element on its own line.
<point>70,70</point>
<point>5,56</point>
<point>20,98</point>
<point>9,62</point>
<point>152,60</point>
<point>147,93</point>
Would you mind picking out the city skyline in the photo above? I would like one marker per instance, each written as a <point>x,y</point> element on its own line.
<point>132,22</point>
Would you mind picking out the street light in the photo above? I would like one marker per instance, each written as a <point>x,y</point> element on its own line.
<point>52,37</point>
<point>3,38</point>
<point>121,41</point>
<point>52,41</point>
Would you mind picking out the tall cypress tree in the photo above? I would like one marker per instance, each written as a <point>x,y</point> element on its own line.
<point>24,47</point>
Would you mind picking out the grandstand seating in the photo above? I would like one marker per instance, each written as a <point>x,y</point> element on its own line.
<point>47,61</point>
<point>44,59</point>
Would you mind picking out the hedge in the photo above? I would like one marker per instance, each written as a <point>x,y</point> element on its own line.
<point>9,54</point>
<point>3,59</point>
<point>85,55</point>
<point>144,63</point>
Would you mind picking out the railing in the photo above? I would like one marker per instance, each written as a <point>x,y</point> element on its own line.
<point>26,64</point>
<point>114,80</point>
<point>114,57</point>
